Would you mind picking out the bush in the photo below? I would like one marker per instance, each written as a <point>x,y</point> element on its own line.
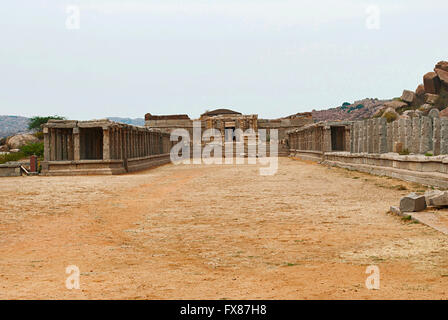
<point>39,135</point>
<point>11,157</point>
<point>389,116</point>
<point>36,149</point>
<point>37,122</point>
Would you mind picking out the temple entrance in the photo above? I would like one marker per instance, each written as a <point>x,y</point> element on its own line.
<point>337,138</point>
<point>230,127</point>
<point>91,143</point>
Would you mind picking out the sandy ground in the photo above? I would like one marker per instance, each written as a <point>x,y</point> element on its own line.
<point>216,232</point>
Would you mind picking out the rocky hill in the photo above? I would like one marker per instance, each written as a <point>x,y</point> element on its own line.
<point>10,125</point>
<point>432,93</point>
<point>358,110</point>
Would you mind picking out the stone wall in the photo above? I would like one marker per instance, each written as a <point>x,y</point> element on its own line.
<point>417,135</point>
<point>10,170</point>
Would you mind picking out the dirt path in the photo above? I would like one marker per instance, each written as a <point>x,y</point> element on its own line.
<point>216,232</point>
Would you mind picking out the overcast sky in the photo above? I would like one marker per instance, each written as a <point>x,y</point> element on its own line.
<point>271,58</point>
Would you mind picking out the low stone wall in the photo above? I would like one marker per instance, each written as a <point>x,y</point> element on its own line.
<point>10,170</point>
<point>307,155</point>
<point>432,171</point>
<point>102,167</point>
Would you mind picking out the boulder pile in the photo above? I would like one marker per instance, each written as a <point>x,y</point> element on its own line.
<point>433,84</point>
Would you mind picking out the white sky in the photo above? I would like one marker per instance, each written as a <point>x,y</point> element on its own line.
<point>272,58</point>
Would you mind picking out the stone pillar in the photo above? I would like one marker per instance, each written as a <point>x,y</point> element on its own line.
<point>120,142</point>
<point>64,145</point>
<point>369,136</point>
<point>395,134</point>
<point>416,130</point>
<point>382,135</point>
<point>444,136</point>
<point>131,143</point>
<point>76,145</point>
<point>46,145</point>
<point>426,135</point>
<point>436,136</point>
<point>106,143</point>
<point>375,136</point>
<point>352,138</point>
<point>327,139</point>
<point>390,137</point>
<point>402,132</point>
<point>58,144</point>
<point>70,145</point>
<point>366,136</point>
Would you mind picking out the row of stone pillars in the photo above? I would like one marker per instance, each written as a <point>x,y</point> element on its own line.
<point>102,143</point>
<point>417,135</point>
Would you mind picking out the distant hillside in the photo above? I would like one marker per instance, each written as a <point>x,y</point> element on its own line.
<point>135,122</point>
<point>10,125</point>
<point>358,110</point>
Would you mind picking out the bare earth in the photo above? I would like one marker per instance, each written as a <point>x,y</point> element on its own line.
<point>216,232</point>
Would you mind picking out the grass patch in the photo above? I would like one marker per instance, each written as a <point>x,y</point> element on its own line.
<point>11,157</point>
<point>428,154</point>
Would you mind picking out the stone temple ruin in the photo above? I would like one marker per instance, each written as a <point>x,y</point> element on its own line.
<point>412,148</point>
<point>106,147</point>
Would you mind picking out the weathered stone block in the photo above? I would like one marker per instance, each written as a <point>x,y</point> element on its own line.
<point>431,98</point>
<point>436,198</point>
<point>420,91</point>
<point>443,76</point>
<point>395,210</point>
<point>431,82</point>
<point>398,147</point>
<point>395,104</point>
<point>413,203</point>
<point>434,113</point>
<point>442,65</point>
<point>408,96</point>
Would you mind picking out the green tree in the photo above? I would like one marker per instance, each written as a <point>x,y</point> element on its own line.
<point>37,122</point>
